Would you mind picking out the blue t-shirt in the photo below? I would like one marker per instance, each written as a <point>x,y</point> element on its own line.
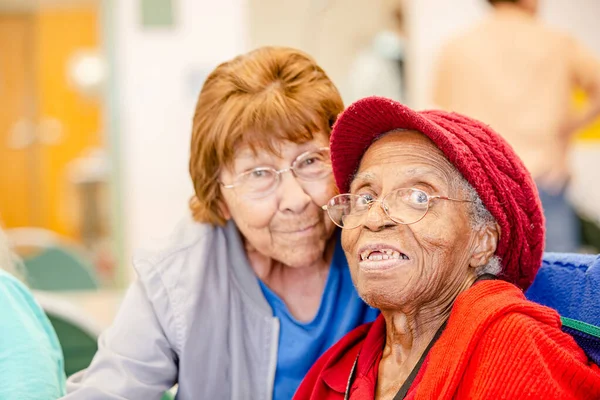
<point>301,344</point>
<point>31,360</point>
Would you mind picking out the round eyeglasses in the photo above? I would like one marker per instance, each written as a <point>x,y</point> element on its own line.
<point>262,181</point>
<point>403,206</point>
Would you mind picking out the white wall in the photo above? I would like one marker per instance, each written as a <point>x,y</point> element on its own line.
<point>158,73</point>
<point>578,17</point>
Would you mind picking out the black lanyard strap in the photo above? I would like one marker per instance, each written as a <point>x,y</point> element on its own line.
<point>351,378</point>
<point>415,371</point>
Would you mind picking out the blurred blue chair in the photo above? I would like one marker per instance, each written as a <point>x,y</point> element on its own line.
<point>50,263</point>
<point>570,284</point>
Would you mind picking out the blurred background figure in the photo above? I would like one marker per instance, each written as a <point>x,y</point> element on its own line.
<point>379,69</point>
<point>31,361</point>
<point>518,75</point>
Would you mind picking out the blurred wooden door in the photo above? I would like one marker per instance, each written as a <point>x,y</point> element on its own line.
<point>18,206</point>
<point>69,123</point>
<point>45,124</point>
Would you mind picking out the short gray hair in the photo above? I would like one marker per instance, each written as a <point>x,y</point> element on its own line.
<point>9,261</point>
<point>480,218</point>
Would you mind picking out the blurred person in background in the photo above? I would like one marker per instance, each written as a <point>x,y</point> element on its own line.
<point>379,69</point>
<point>520,76</point>
<point>244,299</point>
<point>31,359</point>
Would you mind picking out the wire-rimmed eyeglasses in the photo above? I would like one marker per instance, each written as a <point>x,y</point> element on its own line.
<point>403,206</point>
<point>262,181</point>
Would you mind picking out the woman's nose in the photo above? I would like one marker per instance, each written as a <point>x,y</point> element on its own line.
<point>376,218</point>
<point>292,195</point>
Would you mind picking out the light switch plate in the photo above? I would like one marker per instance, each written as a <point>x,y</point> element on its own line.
<point>157,13</point>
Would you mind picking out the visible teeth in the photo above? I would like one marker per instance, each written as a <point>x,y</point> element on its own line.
<point>383,254</point>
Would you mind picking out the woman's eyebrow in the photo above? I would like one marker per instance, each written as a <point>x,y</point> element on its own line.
<point>421,172</point>
<point>364,176</point>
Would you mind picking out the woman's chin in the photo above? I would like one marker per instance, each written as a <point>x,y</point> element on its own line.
<point>299,256</point>
<point>301,251</point>
<point>382,296</point>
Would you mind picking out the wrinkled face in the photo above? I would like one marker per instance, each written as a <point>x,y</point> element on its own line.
<point>288,224</point>
<point>426,259</point>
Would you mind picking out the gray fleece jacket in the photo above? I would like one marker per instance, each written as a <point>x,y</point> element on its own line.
<point>195,316</point>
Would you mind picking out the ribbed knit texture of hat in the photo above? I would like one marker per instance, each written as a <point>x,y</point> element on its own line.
<point>482,156</point>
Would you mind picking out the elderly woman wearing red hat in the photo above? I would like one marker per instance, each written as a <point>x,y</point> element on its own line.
<point>443,230</point>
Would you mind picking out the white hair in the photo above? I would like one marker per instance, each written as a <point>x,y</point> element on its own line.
<point>9,261</point>
<point>480,218</point>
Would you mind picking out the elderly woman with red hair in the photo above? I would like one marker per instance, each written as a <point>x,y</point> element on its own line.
<point>241,302</point>
<point>443,230</point>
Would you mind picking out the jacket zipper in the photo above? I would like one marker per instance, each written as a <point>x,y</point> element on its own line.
<point>273,359</point>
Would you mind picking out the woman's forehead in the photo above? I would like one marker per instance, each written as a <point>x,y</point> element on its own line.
<point>404,155</point>
<point>406,171</point>
<point>404,176</point>
<point>278,150</point>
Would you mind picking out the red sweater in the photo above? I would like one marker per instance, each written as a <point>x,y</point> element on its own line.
<point>496,345</point>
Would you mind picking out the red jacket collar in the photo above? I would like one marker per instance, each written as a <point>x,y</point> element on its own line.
<point>366,342</point>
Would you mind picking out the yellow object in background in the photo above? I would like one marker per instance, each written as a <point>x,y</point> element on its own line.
<point>592,132</point>
<point>62,33</point>
<point>45,123</point>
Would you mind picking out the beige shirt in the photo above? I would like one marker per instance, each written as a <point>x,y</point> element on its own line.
<point>518,76</point>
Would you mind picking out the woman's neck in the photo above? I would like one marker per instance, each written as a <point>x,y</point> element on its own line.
<point>408,333</point>
<point>299,287</point>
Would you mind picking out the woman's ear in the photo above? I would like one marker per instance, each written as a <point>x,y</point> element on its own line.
<point>486,242</point>
<point>221,195</point>
<point>224,209</point>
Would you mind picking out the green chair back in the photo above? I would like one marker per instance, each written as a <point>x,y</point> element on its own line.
<point>78,345</point>
<point>59,268</point>
<point>168,396</point>
<point>586,335</point>
<point>51,262</point>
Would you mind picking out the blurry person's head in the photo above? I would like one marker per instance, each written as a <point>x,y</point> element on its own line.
<point>9,262</point>
<point>531,6</point>
<point>258,115</point>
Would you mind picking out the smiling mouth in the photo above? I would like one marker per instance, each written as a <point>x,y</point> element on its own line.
<point>300,230</point>
<point>382,254</point>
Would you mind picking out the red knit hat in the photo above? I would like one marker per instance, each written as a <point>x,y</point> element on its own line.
<point>482,156</point>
